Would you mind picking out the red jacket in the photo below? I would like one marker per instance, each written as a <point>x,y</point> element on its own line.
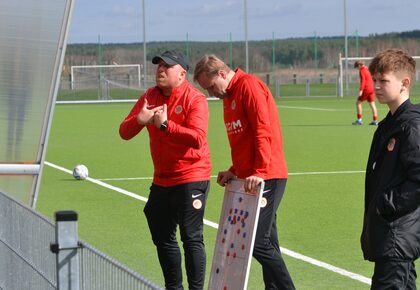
<point>253,129</point>
<point>181,153</point>
<point>366,81</point>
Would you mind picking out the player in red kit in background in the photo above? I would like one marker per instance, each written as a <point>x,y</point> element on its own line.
<point>366,93</point>
<point>255,138</point>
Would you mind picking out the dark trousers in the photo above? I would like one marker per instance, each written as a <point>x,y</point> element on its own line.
<point>266,247</point>
<point>394,275</point>
<point>181,205</point>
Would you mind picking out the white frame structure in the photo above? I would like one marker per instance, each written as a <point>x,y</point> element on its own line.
<point>138,66</point>
<point>57,45</point>
<point>59,60</point>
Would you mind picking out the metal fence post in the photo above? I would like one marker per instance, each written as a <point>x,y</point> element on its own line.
<point>307,88</point>
<point>277,88</point>
<point>68,274</point>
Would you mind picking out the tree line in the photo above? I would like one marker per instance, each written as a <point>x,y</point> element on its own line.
<point>264,55</point>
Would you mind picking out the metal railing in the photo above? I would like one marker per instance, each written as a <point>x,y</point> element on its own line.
<point>25,258</point>
<point>99,272</point>
<point>304,87</point>
<point>27,261</point>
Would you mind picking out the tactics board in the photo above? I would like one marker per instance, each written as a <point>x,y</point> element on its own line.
<point>235,237</point>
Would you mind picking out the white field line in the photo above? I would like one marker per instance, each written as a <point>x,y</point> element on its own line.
<point>327,172</point>
<point>285,251</point>
<point>98,182</point>
<point>214,176</point>
<point>126,178</point>
<point>108,101</point>
<point>117,189</point>
<point>313,109</point>
<point>327,266</point>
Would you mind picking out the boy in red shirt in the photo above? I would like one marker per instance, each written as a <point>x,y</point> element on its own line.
<point>366,93</point>
<point>254,133</point>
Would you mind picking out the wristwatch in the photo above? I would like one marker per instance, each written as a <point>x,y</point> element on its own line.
<point>164,126</point>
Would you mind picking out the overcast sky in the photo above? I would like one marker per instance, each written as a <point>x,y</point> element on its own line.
<point>117,21</point>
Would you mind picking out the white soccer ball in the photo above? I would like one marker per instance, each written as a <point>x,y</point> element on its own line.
<point>80,172</point>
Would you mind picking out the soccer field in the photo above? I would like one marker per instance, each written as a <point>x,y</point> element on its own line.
<point>320,216</point>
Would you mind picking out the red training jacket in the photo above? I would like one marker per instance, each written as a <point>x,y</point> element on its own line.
<point>366,81</point>
<point>181,153</point>
<point>253,128</point>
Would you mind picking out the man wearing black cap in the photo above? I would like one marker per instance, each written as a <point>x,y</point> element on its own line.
<point>176,117</point>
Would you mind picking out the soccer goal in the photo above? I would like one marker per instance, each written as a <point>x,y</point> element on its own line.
<point>348,76</point>
<point>106,81</point>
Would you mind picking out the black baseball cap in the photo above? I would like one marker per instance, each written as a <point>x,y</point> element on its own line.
<point>172,57</point>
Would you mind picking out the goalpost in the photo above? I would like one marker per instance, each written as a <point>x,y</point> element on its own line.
<point>348,75</point>
<point>104,77</point>
<point>118,83</point>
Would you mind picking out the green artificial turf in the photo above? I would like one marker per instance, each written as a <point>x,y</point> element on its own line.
<point>320,215</point>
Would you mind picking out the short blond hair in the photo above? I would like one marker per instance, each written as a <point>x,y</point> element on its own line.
<point>210,65</point>
<point>393,60</point>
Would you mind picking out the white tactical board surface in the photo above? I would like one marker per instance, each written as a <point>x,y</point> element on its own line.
<point>235,237</point>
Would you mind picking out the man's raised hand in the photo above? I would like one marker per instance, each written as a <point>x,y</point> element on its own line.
<point>145,116</point>
<point>160,116</point>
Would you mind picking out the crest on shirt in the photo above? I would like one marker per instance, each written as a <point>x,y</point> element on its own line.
<point>233,105</point>
<point>263,202</point>
<point>178,109</point>
<point>197,204</point>
<point>391,144</point>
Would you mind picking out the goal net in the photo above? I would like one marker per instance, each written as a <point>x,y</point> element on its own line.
<point>104,82</point>
<point>348,76</point>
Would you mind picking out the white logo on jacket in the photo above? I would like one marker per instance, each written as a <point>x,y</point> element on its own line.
<point>234,127</point>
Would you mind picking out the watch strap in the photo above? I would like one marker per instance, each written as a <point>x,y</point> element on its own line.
<point>164,126</point>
